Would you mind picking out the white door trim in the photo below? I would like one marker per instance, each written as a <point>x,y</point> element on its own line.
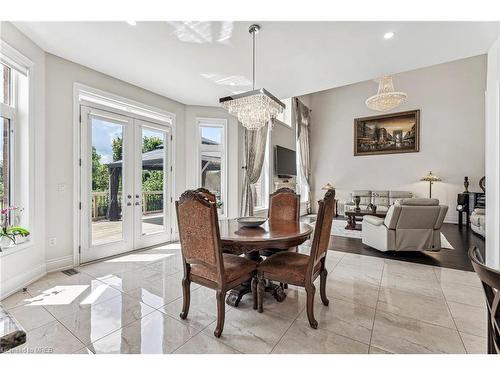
<point>86,93</point>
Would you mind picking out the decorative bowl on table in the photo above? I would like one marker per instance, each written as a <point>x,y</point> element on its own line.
<point>251,221</point>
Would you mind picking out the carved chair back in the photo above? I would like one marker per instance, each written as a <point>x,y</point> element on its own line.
<point>490,278</point>
<point>207,193</point>
<point>199,231</point>
<point>284,204</point>
<point>322,231</point>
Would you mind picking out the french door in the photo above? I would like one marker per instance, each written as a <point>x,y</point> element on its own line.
<point>125,184</point>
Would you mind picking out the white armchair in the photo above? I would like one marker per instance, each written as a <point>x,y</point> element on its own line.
<point>478,221</point>
<point>412,225</point>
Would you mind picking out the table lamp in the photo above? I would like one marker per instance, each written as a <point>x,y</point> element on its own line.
<point>431,178</point>
<point>328,186</point>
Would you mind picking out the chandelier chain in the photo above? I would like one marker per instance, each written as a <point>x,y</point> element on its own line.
<point>253,60</point>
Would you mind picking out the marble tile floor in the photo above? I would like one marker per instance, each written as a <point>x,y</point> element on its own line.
<point>131,304</point>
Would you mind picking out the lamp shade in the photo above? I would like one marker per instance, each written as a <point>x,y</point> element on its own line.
<point>328,186</point>
<point>430,177</point>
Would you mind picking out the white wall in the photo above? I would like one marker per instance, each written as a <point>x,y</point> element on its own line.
<point>61,74</point>
<point>192,156</point>
<point>20,266</point>
<point>493,157</point>
<point>451,100</point>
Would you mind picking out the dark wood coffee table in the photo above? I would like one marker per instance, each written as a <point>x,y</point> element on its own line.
<point>352,215</point>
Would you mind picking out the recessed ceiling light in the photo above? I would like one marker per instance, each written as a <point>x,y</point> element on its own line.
<point>131,23</point>
<point>389,35</point>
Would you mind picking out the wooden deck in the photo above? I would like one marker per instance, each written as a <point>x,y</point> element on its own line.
<point>104,231</point>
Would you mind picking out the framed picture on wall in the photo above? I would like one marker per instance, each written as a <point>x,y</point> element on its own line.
<point>392,133</point>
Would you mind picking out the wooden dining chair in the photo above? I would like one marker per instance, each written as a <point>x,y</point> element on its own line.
<point>284,204</point>
<point>490,278</point>
<point>202,257</point>
<point>207,193</point>
<point>301,269</point>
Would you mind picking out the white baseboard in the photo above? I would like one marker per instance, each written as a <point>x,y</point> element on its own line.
<point>59,264</point>
<point>22,280</point>
<point>451,219</point>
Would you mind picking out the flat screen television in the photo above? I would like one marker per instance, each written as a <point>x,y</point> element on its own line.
<point>285,162</point>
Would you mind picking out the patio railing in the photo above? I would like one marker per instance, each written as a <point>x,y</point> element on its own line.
<point>152,202</point>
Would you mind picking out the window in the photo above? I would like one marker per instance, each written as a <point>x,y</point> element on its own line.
<point>212,161</point>
<point>6,119</point>
<point>261,187</point>
<point>5,163</point>
<point>15,187</point>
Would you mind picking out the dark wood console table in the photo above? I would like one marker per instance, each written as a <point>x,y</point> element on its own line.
<point>466,203</point>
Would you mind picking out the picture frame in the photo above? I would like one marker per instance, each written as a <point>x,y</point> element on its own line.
<point>392,133</point>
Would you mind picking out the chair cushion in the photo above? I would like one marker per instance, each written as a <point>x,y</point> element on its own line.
<point>352,207</point>
<point>478,219</point>
<point>234,266</point>
<point>380,198</point>
<point>395,196</point>
<point>286,266</point>
<point>361,193</point>
<point>479,211</point>
<point>420,202</point>
<point>373,220</point>
<point>364,195</point>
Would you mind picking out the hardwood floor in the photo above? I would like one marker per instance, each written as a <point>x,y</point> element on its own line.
<point>455,258</point>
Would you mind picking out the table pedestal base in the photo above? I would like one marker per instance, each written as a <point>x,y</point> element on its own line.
<point>235,295</point>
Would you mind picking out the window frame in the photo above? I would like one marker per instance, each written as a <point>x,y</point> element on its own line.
<point>8,112</point>
<point>20,113</point>
<point>209,122</point>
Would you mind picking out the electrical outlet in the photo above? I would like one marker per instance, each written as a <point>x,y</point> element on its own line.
<point>52,241</point>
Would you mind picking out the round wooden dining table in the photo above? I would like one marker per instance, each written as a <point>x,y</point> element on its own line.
<point>272,235</point>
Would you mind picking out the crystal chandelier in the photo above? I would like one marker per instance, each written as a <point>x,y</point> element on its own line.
<point>386,97</point>
<point>254,109</point>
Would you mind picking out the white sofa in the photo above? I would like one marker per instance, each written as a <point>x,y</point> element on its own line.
<point>410,225</point>
<point>478,221</point>
<point>383,199</point>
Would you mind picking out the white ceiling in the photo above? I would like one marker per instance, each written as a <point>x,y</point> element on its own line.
<point>198,62</point>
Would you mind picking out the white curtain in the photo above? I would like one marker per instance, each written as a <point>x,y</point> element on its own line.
<point>302,124</point>
<point>255,152</point>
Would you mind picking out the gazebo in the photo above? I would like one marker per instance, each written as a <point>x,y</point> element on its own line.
<point>151,161</point>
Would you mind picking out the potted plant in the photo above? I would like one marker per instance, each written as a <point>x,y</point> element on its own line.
<point>8,233</point>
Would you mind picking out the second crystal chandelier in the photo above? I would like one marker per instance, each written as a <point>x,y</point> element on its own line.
<point>386,98</point>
